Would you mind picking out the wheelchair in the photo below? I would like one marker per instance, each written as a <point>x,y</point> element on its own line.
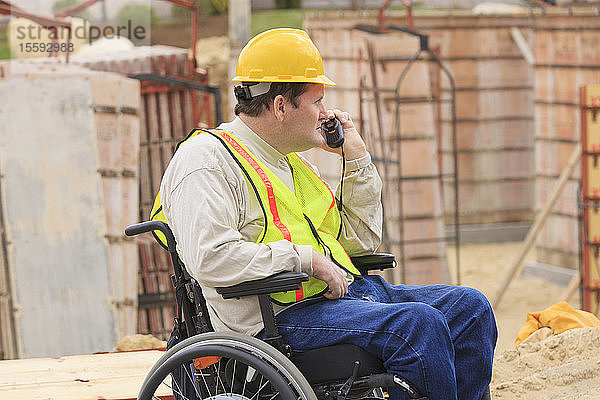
<point>202,364</point>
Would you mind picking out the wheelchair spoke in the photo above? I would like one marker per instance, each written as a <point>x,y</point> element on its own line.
<point>206,385</point>
<point>233,376</point>
<point>244,389</point>
<point>175,391</point>
<point>217,370</point>
<point>275,395</point>
<point>261,386</point>
<point>192,381</point>
<point>175,381</point>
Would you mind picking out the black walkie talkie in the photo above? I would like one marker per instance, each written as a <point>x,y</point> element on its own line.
<point>333,132</point>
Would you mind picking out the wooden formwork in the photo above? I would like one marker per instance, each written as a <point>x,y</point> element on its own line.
<point>517,123</point>
<point>494,118</point>
<point>590,197</point>
<point>494,103</point>
<point>169,112</point>
<point>567,55</point>
<point>116,115</point>
<point>398,122</point>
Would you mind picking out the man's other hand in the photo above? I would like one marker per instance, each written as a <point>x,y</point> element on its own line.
<point>335,277</point>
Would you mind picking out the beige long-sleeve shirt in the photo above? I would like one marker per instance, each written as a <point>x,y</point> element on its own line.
<point>217,221</point>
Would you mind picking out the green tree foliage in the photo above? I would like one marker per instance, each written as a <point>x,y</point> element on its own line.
<point>138,14</point>
<point>218,7</point>
<point>60,5</point>
<point>264,20</point>
<point>5,53</point>
<point>207,7</point>
<point>287,3</point>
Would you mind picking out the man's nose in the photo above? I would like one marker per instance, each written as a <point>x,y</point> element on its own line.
<point>322,112</point>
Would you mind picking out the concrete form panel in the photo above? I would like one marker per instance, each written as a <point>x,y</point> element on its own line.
<point>54,217</point>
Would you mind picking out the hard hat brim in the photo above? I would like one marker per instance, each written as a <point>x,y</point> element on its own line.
<point>322,79</point>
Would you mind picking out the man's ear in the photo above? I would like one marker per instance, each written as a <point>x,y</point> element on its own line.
<point>279,107</point>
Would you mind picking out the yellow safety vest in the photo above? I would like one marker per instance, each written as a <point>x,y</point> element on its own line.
<point>310,217</point>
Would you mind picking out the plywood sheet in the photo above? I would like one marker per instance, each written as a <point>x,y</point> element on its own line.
<point>55,217</point>
<point>81,377</point>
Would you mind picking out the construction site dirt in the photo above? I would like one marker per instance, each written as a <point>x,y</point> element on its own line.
<point>565,366</point>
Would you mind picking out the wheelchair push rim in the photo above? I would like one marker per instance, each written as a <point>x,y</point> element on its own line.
<point>226,355</point>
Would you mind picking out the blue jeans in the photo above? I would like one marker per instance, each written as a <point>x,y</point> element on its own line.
<point>440,338</point>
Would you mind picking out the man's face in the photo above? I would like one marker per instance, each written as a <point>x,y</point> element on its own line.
<point>304,123</point>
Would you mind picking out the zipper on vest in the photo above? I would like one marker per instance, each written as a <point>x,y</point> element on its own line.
<point>326,248</point>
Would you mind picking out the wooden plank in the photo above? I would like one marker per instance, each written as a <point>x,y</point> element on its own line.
<point>175,113</point>
<point>523,45</point>
<point>152,122</point>
<point>146,191</point>
<point>565,46</point>
<point>188,110</point>
<point>143,111</point>
<point>517,266</point>
<point>157,168</point>
<point>590,51</point>
<point>164,116</point>
<point>99,376</point>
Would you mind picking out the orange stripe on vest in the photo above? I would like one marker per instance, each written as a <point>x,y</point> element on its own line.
<point>272,205</point>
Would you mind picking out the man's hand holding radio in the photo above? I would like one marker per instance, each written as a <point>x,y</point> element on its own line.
<point>354,146</point>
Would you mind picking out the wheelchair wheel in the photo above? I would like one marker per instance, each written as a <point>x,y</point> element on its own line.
<point>217,365</point>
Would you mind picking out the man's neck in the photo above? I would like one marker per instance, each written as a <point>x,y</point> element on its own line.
<point>267,131</point>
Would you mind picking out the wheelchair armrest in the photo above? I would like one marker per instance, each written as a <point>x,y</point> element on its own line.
<point>280,282</point>
<point>373,261</point>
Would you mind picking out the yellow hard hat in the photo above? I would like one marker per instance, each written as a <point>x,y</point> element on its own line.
<point>281,55</point>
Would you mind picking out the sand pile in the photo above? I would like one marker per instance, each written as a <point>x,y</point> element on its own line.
<point>139,342</point>
<point>546,366</point>
<point>565,366</point>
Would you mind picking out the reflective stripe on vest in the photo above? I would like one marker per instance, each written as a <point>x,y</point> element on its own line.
<point>306,217</point>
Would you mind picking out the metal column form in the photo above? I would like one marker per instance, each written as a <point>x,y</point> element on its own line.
<point>437,99</point>
<point>589,202</point>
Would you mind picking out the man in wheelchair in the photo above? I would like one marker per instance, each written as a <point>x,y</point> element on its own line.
<point>243,206</point>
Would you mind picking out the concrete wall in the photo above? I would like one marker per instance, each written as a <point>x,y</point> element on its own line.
<point>53,209</point>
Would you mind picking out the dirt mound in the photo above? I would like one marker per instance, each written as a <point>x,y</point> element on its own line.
<point>139,342</point>
<point>565,366</point>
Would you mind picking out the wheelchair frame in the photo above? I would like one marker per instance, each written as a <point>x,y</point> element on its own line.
<point>192,315</point>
